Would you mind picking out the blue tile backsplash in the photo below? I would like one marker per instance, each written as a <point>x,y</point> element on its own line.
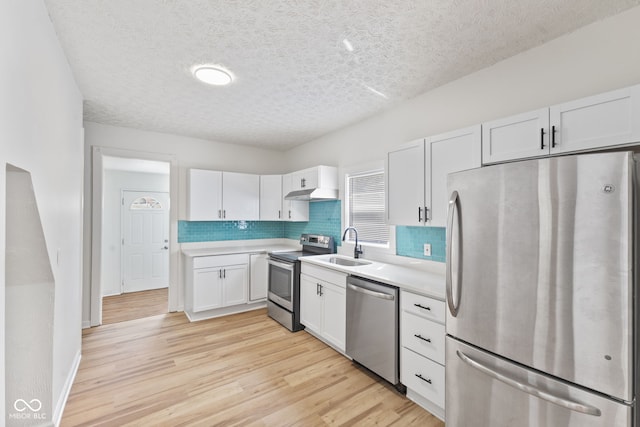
<point>410,242</point>
<point>324,218</point>
<point>211,231</point>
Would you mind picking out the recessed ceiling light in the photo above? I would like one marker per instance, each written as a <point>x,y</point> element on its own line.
<point>213,75</point>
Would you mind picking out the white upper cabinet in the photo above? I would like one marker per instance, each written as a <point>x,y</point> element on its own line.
<point>604,120</point>
<point>417,175</point>
<point>240,196</point>
<point>271,197</point>
<point>307,178</point>
<point>293,210</point>
<point>215,196</point>
<point>516,137</point>
<point>611,118</point>
<point>446,153</point>
<point>405,184</point>
<point>318,176</point>
<point>204,202</point>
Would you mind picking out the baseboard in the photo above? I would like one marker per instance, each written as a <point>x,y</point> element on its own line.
<point>86,324</point>
<point>225,311</point>
<point>66,389</point>
<point>426,404</point>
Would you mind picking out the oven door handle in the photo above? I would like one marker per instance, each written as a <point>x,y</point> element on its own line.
<point>286,266</point>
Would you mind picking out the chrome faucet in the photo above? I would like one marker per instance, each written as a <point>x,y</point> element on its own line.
<point>357,250</point>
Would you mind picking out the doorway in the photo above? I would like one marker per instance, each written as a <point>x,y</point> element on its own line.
<point>134,257</point>
<point>145,241</point>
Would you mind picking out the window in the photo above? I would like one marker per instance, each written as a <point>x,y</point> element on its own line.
<point>364,208</point>
<point>146,202</point>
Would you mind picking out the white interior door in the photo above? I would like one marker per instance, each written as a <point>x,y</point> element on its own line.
<point>145,240</point>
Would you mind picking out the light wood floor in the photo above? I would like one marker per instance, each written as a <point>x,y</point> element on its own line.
<point>134,305</point>
<point>243,369</point>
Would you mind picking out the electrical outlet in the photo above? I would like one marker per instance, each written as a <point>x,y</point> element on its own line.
<point>427,249</point>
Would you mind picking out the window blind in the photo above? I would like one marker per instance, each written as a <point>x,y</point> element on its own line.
<point>365,207</point>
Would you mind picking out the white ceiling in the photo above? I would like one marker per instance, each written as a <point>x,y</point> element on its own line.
<point>295,79</point>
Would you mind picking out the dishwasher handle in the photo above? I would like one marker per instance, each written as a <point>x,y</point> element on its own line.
<point>380,295</point>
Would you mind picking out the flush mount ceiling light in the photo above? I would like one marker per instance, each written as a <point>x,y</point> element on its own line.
<point>216,76</point>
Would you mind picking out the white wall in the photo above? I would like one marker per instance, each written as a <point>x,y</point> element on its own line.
<point>30,292</point>
<point>41,132</point>
<point>114,182</point>
<point>188,152</point>
<point>596,58</point>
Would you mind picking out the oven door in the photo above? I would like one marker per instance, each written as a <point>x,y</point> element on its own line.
<point>281,281</point>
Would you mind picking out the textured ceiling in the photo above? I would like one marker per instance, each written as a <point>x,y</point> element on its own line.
<point>295,79</point>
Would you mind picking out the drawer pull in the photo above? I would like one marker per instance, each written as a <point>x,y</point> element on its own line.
<point>427,380</point>
<point>422,338</point>
<point>422,306</point>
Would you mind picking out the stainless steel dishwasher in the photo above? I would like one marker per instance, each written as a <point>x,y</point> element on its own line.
<point>372,338</point>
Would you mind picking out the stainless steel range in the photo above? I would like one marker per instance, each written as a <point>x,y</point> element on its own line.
<point>284,279</point>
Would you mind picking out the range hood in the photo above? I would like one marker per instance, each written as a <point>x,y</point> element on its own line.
<point>313,194</point>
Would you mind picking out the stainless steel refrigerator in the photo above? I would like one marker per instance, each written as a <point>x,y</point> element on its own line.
<point>542,322</point>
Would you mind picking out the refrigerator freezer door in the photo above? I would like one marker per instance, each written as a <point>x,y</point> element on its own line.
<point>540,266</point>
<point>486,391</point>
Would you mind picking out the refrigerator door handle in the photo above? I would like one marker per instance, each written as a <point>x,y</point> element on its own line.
<point>453,307</point>
<point>561,401</point>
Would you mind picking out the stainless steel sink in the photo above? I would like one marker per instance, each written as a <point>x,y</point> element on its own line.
<point>346,262</point>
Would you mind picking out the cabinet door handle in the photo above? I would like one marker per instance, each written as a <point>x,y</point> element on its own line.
<point>303,183</point>
<point>279,214</point>
<point>219,213</point>
<point>419,214</point>
<point>426,214</point>
<point>289,214</point>
<point>224,273</point>
<point>422,338</point>
<point>422,307</point>
<point>553,136</point>
<point>542,138</point>
<point>319,289</point>
<point>224,213</point>
<point>427,380</point>
<point>220,274</point>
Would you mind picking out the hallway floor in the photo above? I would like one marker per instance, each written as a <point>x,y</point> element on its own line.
<point>134,305</point>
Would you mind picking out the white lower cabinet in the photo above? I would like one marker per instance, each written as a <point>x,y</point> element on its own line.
<point>234,284</point>
<point>207,289</point>
<point>422,352</point>
<point>423,376</point>
<point>310,304</point>
<point>323,303</point>
<point>259,278</point>
<point>216,281</point>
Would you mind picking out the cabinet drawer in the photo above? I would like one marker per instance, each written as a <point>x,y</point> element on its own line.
<point>426,307</point>
<point>220,260</point>
<point>423,376</point>
<point>331,276</point>
<point>423,336</point>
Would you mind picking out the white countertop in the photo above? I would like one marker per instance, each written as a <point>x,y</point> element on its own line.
<point>425,283</point>
<point>228,250</point>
